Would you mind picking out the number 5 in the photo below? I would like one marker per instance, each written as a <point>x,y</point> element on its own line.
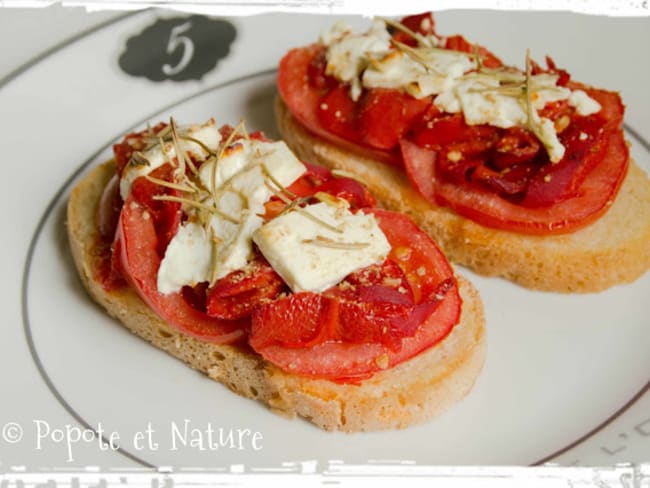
<point>177,40</point>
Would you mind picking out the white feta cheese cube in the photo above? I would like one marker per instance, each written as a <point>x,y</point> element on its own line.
<point>299,249</point>
<point>583,103</point>
<point>187,259</point>
<point>235,246</point>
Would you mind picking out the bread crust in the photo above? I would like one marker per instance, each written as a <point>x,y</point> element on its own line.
<point>412,392</point>
<point>612,250</point>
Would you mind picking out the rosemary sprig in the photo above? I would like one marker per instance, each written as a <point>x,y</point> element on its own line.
<point>184,160</point>
<point>375,63</point>
<point>315,219</point>
<point>168,184</point>
<point>180,152</point>
<point>327,242</point>
<point>215,255</point>
<point>401,27</point>
<point>138,159</point>
<point>278,185</point>
<point>506,90</point>
<point>295,205</point>
<point>163,149</point>
<point>500,74</point>
<point>198,142</point>
<point>224,146</point>
<point>477,57</point>
<point>197,204</point>
<point>165,133</point>
<point>415,56</point>
<point>532,123</point>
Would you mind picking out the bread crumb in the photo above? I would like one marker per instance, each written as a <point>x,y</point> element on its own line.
<point>403,253</point>
<point>382,361</point>
<point>391,282</point>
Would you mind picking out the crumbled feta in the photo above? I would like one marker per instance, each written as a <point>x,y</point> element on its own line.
<point>369,61</point>
<point>482,100</point>
<point>398,70</point>
<point>241,179</point>
<point>207,133</point>
<point>583,103</point>
<point>347,53</point>
<point>299,249</point>
<point>187,259</point>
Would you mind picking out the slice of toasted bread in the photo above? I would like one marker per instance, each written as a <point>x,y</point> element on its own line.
<point>410,393</point>
<point>614,249</point>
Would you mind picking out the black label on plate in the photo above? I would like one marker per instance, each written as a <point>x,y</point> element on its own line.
<point>178,49</point>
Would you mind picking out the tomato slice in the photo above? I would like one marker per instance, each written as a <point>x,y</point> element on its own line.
<point>304,100</point>
<point>137,247</point>
<point>337,113</point>
<point>166,215</point>
<point>422,23</point>
<point>589,202</point>
<point>135,141</point>
<point>236,295</point>
<point>385,116</point>
<point>304,343</point>
<point>558,198</point>
<point>419,164</point>
<point>320,179</point>
<point>459,43</point>
<point>300,320</point>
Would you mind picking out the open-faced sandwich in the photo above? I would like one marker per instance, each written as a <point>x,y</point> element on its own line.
<point>275,277</point>
<point>524,174</point>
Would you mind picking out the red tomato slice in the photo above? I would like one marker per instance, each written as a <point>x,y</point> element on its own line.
<point>419,164</point>
<point>300,320</point>
<point>516,146</point>
<point>350,190</point>
<point>165,215</point>
<point>337,113</point>
<point>459,43</point>
<point>586,142</point>
<point>385,116</point>
<point>438,309</point>
<point>303,101</point>
<point>590,201</point>
<point>561,197</point>
<point>451,130</point>
<point>320,179</point>
<point>236,295</point>
<point>422,23</point>
<point>107,267</point>
<point>134,141</point>
<point>137,241</point>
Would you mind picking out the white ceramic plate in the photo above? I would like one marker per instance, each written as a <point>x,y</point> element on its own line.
<point>566,377</point>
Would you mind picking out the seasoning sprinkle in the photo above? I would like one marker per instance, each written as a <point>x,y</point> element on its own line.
<point>197,204</point>
<point>327,242</point>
